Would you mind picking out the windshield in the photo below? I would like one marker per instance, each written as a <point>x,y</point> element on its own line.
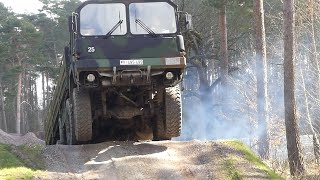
<point>159,17</point>
<point>100,19</point>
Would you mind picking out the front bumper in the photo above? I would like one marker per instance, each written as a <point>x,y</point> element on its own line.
<point>109,64</point>
<point>138,72</point>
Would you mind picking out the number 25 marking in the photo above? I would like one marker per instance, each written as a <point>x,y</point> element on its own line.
<point>91,50</point>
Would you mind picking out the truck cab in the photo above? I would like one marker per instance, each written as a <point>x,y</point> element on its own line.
<point>120,42</point>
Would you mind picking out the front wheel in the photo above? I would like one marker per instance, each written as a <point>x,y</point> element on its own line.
<point>82,114</point>
<point>168,118</point>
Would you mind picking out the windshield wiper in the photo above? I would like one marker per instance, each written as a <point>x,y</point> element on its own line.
<point>113,29</point>
<point>145,27</point>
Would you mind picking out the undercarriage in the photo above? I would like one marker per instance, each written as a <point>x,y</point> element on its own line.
<point>121,113</point>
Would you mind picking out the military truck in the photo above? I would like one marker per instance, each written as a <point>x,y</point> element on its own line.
<point>121,71</point>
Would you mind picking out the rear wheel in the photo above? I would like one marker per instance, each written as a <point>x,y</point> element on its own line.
<point>168,119</point>
<point>62,127</point>
<point>69,124</point>
<point>82,115</point>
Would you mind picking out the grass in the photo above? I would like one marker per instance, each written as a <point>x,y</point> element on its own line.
<point>250,156</point>
<point>17,173</point>
<point>32,156</point>
<point>233,174</point>
<point>11,167</point>
<point>7,159</point>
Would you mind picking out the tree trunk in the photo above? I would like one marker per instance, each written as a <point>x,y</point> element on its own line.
<point>43,92</point>
<point>204,86</point>
<point>292,130</point>
<point>47,89</point>
<point>31,123</point>
<point>18,115</point>
<point>309,120</point>
<point>23,107</point>
<point>261,73</point>
<point>39,123</point>
<point>3,112</point>
<point>313,59</point>
<point>223,44</point>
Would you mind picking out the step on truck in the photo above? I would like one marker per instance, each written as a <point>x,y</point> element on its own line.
<point>120,73</point>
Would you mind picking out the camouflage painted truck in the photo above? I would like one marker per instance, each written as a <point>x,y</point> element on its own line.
<point>120,72</point>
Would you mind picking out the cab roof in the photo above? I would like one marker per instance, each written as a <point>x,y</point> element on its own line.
<point>121,1</point>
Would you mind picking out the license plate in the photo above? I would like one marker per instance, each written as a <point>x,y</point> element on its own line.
<point>172,61</point>
<point>131,62</point>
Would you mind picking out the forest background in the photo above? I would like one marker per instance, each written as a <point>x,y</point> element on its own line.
<point>221,93</point>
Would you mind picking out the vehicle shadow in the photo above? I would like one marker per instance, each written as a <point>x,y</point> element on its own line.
<point>92,157</point>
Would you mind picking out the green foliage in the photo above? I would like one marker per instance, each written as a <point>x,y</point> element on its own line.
<point>17,173</point>
<point>250,156</point>
<point>30,45</point>
<point>233,174</point>
<point>8,160</point>
<point>193,41</point>
<point>219,3</point>
<point>58,26</point>
<point>240,17</point>
<point>11,167</point>
<point>215,3</point>
<point>32,156</point>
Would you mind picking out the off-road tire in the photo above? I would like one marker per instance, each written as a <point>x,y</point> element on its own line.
<point>159,132</point>
<point>159,118</point>
<point>169,114</point>
<point>173,112</point>
<point>82,115</point>
<point>70,136</point>
<point>62,127</point>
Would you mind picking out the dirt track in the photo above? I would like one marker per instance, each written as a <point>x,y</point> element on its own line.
<point>144,160</point>
<point>139,160</point>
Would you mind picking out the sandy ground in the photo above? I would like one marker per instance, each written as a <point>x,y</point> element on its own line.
<point>144,160</point>
<point>138,160</point>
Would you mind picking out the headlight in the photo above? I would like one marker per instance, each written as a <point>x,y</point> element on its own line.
<point>91,77</point>
<point>169,75</point>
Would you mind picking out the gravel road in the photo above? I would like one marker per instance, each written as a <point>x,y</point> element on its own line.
<point>143,160</point>
<point>138,160</point>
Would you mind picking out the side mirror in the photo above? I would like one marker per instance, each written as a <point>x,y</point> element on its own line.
<point>188,22</point>
<point>180,43</point>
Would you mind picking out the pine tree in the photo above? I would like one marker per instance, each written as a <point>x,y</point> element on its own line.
<point>261,73</point>
<point>292,130</point>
